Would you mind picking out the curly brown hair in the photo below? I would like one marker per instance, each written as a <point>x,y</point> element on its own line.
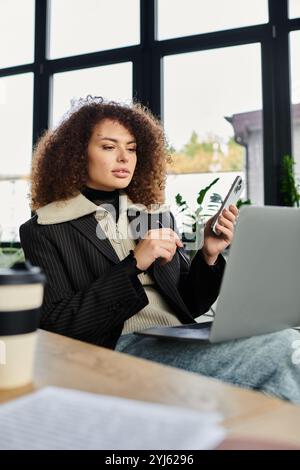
<point>60,163</point>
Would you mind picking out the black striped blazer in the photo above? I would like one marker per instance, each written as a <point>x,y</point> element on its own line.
<point>89,295</point>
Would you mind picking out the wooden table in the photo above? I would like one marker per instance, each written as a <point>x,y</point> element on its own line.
<point>65,362</point>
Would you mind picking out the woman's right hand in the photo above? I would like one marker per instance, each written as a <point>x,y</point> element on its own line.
<point>158,243</point>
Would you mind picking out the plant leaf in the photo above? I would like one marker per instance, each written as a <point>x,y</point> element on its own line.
<point>203,192</point>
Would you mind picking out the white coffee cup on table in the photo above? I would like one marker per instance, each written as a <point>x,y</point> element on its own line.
<point>21,297</point>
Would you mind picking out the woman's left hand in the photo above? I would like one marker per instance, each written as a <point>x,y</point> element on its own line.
<point>213,244</point>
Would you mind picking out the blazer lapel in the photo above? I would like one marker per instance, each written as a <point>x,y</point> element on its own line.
<point>88,226</point>
<point>166,280</point>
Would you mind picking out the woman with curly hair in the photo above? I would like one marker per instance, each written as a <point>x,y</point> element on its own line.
<point>112,256</point>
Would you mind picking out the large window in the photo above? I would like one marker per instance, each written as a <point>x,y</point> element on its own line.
<point>16,32</point>
<point>177,18</point>
<point>295,97</point>
<point>97,81</point>
<point>15,150</point>
<point>16,114</point>
<point>79,27</point>
<point>213,118</point>
<point>219,74</point>
<point>294,8</point>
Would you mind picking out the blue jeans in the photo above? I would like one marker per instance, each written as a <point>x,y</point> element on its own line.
<point>262,363</point>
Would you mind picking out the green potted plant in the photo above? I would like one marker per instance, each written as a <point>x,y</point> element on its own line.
<point>193,230</point>
<point>9,255</point>
<point>243,202</point>
<point>194,221</point>
<point>290,188</point>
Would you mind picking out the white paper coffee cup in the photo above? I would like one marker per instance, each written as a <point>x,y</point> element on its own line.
<point>21,296</point>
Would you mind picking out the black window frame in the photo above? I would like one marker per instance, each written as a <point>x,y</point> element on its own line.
<point>147,60</point>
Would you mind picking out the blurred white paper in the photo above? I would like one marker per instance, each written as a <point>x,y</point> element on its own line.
<point>63,419</point>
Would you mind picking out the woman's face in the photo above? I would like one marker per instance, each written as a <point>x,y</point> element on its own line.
<point>111,156</point>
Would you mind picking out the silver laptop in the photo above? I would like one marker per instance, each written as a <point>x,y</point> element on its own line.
<point>260,291</point>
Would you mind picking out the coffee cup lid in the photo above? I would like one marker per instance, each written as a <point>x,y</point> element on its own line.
<point>21,273</point>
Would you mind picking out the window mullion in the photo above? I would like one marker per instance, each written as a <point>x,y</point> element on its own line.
<point>147,73</point>
<point>41,76</point>
<point>277,87</point>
